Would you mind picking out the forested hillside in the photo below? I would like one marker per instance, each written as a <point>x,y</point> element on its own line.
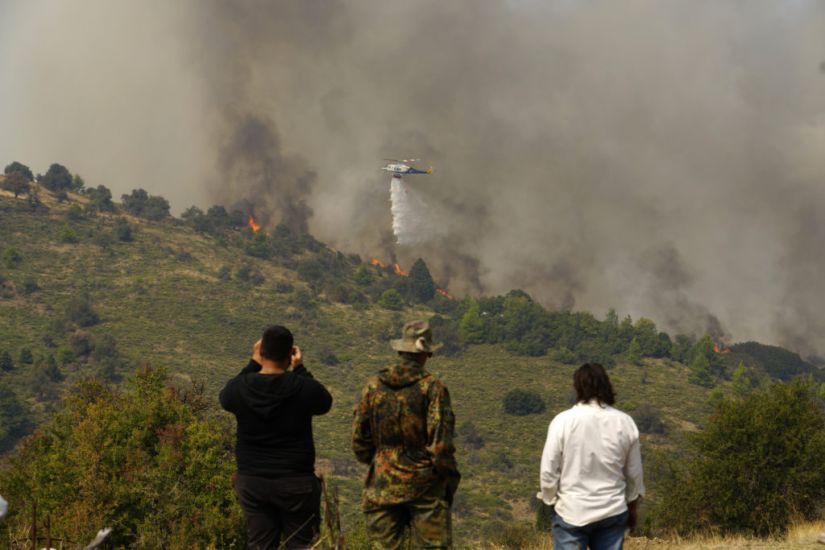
<point>93,291</point>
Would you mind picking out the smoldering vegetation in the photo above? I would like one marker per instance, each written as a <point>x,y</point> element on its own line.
<point>663,158</point>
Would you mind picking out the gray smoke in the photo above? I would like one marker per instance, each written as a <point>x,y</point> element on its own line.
<point>660,157</point>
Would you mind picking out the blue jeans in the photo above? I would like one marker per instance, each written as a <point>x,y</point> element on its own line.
<point>607,534</point>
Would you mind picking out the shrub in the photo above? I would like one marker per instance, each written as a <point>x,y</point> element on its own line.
<point>469,435</point>
<point>6,362</point>
<point>123,231</point>
<point>30,285</point>
<point>523,402</point>
<point>391,299</point>
<point>327,357</point>
<point>67,235</point>
<point>79,311</point>
<point>25,357</point>
<point>564,355</point>
<point>248,273</point>
<point>12,258</point>
<point>759,462</point>
<point>649,420</point>
<point>144,458</point>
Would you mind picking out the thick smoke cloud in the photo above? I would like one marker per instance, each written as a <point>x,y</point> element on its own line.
<point>662,158</point>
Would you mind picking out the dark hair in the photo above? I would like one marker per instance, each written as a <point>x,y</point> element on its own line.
<point>276,343</point>
<point>591,382</point>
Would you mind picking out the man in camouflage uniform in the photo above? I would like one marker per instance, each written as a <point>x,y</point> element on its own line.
<point>403,428</point>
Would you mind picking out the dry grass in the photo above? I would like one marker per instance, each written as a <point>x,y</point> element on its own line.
<point>800,536</point>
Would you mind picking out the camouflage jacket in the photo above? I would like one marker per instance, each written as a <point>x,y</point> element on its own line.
<point>403,428</point>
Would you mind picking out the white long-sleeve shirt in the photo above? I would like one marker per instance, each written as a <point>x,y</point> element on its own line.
<point>591,466</point>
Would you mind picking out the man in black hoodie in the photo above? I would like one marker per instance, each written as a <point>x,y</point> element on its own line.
<point>274,399</point>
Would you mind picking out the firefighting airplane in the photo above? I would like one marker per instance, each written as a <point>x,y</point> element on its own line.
<point>400,168</point>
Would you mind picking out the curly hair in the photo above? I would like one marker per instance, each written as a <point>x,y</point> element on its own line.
<point>591,382</point>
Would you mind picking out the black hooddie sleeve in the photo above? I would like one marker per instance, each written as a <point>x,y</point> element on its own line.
<point>318,398</point>
<point>226,397</point>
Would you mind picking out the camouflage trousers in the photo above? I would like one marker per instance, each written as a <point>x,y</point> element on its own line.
<point>427,518</point>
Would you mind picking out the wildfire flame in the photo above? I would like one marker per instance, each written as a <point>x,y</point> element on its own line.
<point>253,225</point>
<point>721,349</point>
<point>445,294</point>
<point>401,273</point>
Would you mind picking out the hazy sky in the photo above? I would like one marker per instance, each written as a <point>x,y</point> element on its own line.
<point>661,157</point>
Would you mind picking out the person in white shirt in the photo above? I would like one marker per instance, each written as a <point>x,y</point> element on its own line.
<point>591,468</point>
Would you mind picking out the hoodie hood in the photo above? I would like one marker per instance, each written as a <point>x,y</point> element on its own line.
<point>403,375</point>
<point>264,393</point>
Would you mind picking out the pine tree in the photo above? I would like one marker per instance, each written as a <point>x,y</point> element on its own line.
<point>700,372</point>
<point>422,287</point>
<point>634,352</point>
<point>741,381</point>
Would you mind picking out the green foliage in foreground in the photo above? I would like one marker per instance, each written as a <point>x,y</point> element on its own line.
<point>759,464</point>
<point>146,460</point>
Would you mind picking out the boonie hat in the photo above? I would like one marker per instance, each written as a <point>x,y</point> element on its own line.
<point>416,337</point>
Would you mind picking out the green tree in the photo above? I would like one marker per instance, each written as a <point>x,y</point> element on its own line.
<point>759,462</point>
<point>741,381</point>
<point>57,178</point>
<point>422,287</point>
<point>703,363</point>
<point>78,184</point>
<point>647,336</point>
<point>142,204</point>
<point>18,168</point>
<point>363,275</point>
<point>634,352</point>
<point>150,459</point>
<point>680,350</point>
<point>100,199</point>
<point>700,371</point>
<point>16,183</point>
<point>471,326</point>
<point>391,299</point>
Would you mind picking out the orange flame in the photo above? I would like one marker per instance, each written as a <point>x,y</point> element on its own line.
<point>378,263</point>
<point>253,225</point>
<point>445,294</point>
<point>721,349</point>
<point>399,271</point>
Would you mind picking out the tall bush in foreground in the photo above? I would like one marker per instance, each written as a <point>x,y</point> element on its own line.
<point>759,464</point>
<point>147,461</point>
